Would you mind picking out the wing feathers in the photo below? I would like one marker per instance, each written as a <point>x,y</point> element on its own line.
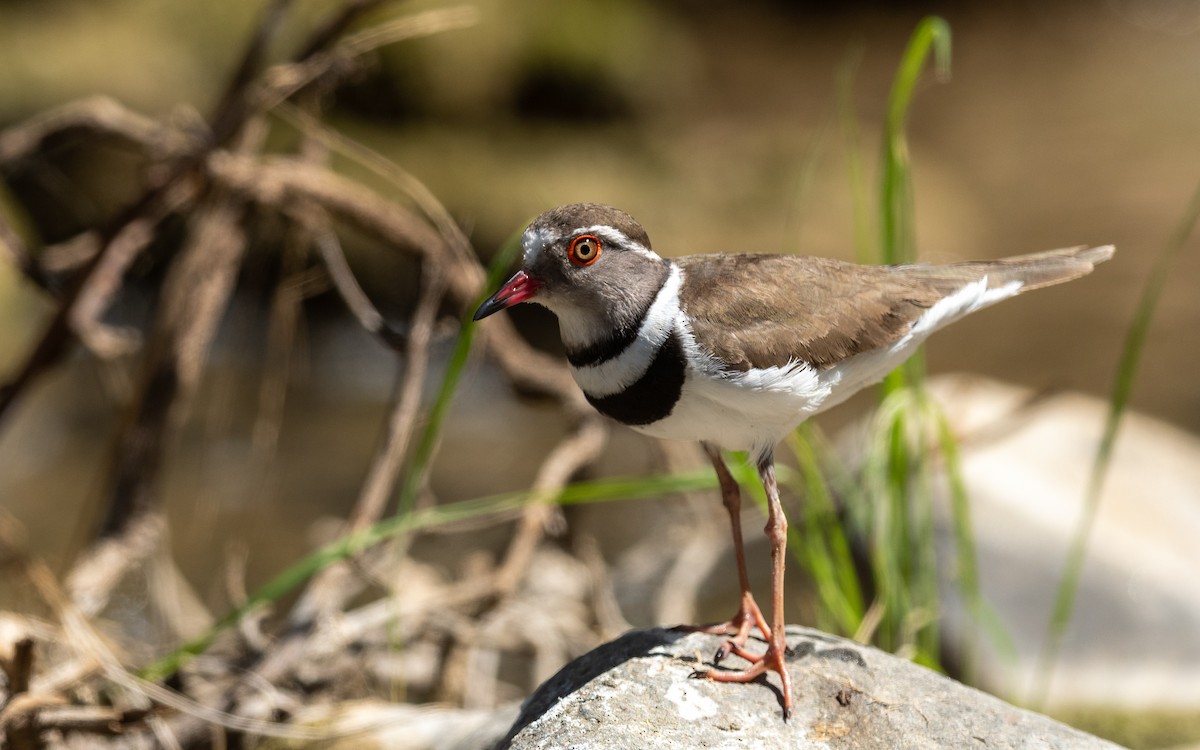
<point>768,310</point>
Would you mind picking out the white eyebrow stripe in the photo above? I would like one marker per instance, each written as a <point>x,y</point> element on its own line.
<point>605,232</point>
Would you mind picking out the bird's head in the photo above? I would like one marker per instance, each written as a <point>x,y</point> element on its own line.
<point>588,263</point>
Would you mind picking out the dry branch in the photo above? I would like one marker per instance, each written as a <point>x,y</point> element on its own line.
<point>107,275</point>
<point>209,175</point>
<point>348,288</point>
<point>381,478</point>
<point>195,293</point>
<point>330,64</point>
<point>18,254</point>
<point>101,115</point>
<point>564,461</point>
<point>97,573</point>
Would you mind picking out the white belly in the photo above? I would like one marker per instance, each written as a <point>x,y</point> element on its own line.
<point>743,411</point>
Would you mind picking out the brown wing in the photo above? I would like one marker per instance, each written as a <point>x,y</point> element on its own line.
<point>767,310</point>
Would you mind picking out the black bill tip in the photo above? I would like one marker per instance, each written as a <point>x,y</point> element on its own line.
<point>516,290</point>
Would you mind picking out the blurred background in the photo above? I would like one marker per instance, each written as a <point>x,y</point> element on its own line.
<point>720,126</point>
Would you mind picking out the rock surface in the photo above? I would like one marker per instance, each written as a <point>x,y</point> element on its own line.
<point>637,692</point>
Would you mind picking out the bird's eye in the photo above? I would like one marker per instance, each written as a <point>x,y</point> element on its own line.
<point>584,250</point>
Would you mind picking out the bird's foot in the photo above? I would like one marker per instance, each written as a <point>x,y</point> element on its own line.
<point>774,660</point>
<point>739,626</point>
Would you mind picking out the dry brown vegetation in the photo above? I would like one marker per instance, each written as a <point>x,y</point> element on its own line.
<point>359,624</point>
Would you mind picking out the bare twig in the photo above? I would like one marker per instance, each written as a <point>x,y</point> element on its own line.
<point>14,248</point>
<point>233,109</point>
<point>529,369</point>
<point>230,117</point>
<point>106,276</point>
<point>228,120</point>
<point>70,254</point>
<point>285,80</point>
<point>81,635</point>
<point>330,250</point>
<point>57,336</point>
<point>327,33</point>
<point>210,184</point>
<point>296,283</point>
<point>16,660</point>
<point>367,157</point>
<point>385,469</point>
<point>525,366</point>
<point>98,572</point>
<point>99,114</point>
<point>609,618</point>
<point>280,182</point>
<point>333,587</point>
<point>568,457</point>
<point>427,23</point>
<point>250,626</point>
<point>195,295</point>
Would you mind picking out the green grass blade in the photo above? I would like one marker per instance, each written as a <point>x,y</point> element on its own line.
<point>897,242</point>
<point>896,209</point>
<point>923,543</point>
<point>903,553</point>
<point>967,560</point>
<point>966,568</point>
<point>1126,374</point>
<point>824,551</point>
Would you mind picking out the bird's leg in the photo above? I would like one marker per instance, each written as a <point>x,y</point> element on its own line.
<point>774,658</point>
<point>748,614</point>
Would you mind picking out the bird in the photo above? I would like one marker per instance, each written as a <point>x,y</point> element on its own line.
<point>735,350</point>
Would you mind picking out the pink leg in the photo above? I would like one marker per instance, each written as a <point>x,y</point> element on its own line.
<point>748,614</point>
<point>773,659</point>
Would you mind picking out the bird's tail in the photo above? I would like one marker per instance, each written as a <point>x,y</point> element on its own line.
<point>1032,271</point>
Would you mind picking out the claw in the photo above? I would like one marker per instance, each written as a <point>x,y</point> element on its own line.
<point>737,627</point>
<point>773,660</point>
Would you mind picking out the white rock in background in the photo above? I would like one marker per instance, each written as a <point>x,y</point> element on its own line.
<point>1134,640</point>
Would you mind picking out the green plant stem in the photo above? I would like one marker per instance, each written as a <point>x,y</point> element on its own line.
<point>896,208</point>
<point>932,33</point>
<point>825,551</point>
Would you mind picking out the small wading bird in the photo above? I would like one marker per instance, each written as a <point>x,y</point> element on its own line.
<point>737,350</point>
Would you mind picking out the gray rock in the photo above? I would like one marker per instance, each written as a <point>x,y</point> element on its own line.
<point>637,692</point>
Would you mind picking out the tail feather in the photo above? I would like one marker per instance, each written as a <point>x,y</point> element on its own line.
<point>1032,271</point>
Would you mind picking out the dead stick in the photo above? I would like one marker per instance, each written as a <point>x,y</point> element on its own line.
<point>568,457</point>
<point>348,288</point>
<point>18,254</point>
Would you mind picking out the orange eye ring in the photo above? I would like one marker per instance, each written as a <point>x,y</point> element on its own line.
<point>584,250</point>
